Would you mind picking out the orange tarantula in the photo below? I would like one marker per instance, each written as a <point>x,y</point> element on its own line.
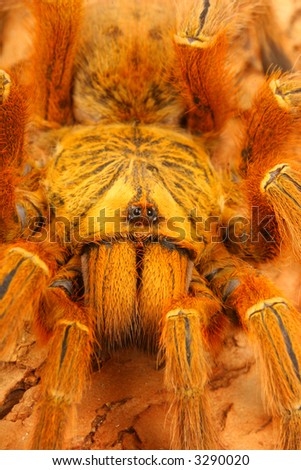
<point>116,229</point>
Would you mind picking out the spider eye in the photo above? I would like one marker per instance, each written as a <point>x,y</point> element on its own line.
<point>137,211</point>
<point>150,212</point>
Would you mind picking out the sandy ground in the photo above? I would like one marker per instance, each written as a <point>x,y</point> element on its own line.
<point>125,405</point>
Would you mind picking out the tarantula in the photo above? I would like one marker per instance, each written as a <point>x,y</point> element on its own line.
<point>116,229</point>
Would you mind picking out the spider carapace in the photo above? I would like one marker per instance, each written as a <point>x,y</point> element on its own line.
<point>116,227</point>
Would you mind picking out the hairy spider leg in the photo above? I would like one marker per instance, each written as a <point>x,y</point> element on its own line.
<point>273,326</point>
<point>165,275</point>
<point>57,30</point>
<point>185,343</point>
<point>208,80</point>
<point>271,39</point>
<point>25,271</point>
<point>270,159</point>
<point>110,278</point>
<point>13,119</point>
<point>69,357</point>
<point>181,309</point>
<point>26,267</point>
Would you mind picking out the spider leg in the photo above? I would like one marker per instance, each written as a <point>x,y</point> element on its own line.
<point>270,156</point>
<point>13,118</point>
<point>22,201</point>
<point>188,309</point>
<point>185,345</point>
<point>165,275</point>
<point>68,364</point>
<point>274,327</point>
<point>271,38</point>
<point>25,267</point>
<point>110,278</point>
<point>25,270</point>
<point>55,42</point>
<point>202,45</point>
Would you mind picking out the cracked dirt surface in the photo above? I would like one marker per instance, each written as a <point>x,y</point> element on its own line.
<point>125,405</point>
